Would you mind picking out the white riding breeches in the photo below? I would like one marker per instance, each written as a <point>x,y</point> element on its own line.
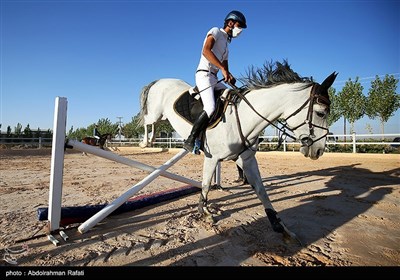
<point>206,83</point>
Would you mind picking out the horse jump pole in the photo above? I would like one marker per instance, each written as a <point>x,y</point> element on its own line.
<point>57,165</point>
<point>123,160</point>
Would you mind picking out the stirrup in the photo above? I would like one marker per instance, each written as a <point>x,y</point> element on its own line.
<point>196,148</point>
<point>193,149</point>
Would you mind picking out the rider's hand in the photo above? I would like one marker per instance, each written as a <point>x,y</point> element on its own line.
<point>233,80</point>
<point>226,75</point>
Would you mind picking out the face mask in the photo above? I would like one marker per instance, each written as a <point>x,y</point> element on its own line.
<point>236,31</point>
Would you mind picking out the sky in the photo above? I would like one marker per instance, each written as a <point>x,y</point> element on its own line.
<point>100,54</point>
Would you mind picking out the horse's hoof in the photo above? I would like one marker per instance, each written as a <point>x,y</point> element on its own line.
<point>216,187</point>
<point>206,215</point>
<point>209,219</point>
<point>289,237</point>
<point>241,181</point>
<point>142,145</point>
<point>204,211</point>
<point>277,226</point>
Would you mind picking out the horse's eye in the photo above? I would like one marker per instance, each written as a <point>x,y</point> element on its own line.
<point>321,114</point>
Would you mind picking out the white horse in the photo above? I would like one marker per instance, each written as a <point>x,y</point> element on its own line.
<point>269,94</point>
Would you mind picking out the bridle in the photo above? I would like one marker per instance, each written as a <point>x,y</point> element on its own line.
<point>307,140</point>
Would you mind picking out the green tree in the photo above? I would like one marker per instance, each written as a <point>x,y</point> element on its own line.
<point>164,126</point>
<point>352,102</point>
<point>104,126</point>
<point>78,134</point>
<point>37,133</point>
<point>335,110</point>
<point>382,100</point>
<point>70,131</point>
<point>132,129</point>
<point>28,132</point>
<point>18,130</point>
<point>48,134</point>
<point>9,131</point>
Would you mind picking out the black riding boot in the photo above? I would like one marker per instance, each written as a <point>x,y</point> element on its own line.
<point>200,124</point>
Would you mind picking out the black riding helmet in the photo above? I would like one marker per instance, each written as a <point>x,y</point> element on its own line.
<point>237,16</point>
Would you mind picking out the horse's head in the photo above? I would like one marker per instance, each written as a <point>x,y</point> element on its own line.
<point>313,131</point>
<point>308,122</point>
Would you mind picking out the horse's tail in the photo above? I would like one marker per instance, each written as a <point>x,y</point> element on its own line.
<point>143,102</point>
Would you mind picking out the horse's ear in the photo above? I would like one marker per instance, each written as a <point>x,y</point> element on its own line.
<point>329,80</point>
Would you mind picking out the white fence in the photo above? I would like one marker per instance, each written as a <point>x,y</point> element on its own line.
<point>333,139</point>
<point>271,141</point>
<point>342,139</point>
<point>38,142</point>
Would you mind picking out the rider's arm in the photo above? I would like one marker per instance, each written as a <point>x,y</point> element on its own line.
<point>207,52</point>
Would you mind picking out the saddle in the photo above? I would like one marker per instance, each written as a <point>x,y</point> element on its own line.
<point>189,105</point>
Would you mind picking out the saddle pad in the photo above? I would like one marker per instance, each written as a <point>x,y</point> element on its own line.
<point>188,107</point>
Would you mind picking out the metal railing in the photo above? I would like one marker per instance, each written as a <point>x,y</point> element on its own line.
<point>340,139</point>
<point>268,141</point>
<point>272,141</point>
<point>169,142</point>
<point>39,142</point>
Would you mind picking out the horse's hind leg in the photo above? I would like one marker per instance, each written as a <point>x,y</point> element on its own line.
<point>153,135</point>
<point>145,140</point>
<point>209,166</point>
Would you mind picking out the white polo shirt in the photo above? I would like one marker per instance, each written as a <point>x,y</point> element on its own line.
<point>220,49</point>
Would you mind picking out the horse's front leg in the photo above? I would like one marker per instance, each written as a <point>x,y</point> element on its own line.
<point>209,166</point>
<point>252,172</point>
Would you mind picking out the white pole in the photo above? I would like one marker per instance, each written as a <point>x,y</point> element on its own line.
<point>57,163</point>
<point>128,194</point>
<point>114,157</point>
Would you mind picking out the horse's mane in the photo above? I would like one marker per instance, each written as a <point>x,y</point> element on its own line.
<point>272,74</point>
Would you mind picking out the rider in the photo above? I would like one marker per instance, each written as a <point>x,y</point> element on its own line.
<point>214,57</point>
<point>96,133</point>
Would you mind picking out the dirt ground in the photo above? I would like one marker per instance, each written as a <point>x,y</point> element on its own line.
<point>343,207</point>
